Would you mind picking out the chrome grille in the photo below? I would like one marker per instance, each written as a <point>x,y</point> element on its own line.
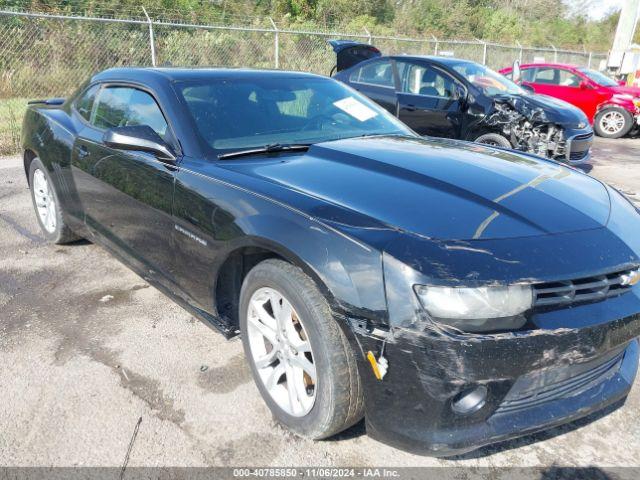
<point>587,289</point>
<point>578,147</point>
<point>583,136</point>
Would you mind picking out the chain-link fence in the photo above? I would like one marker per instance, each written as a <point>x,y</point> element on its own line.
<point>45,55</point>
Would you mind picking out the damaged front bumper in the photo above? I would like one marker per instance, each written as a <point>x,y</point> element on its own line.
<point>532,380</point>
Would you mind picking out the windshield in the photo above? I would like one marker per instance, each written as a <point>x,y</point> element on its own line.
<point>599,78</point>
<point>491,83</point>
<point>242,113</point>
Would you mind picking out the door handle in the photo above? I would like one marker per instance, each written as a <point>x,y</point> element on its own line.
<point>83,151</point>
<point>410,108</point>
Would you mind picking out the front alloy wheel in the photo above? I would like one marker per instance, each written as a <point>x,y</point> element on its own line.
<point>613,122</point>
<point>301,361</point>
<point>281,351</point>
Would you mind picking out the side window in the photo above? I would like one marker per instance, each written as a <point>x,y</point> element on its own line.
<point>421,79</point>
<point>528,74</point>
<point>375,73</point>
<point>125,106</point>
<point>557,76</point>
<point>568,79</point>
<point>85,103</point>
<point>546,75</point>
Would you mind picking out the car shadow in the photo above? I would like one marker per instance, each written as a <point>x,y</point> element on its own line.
<point>586,168</point>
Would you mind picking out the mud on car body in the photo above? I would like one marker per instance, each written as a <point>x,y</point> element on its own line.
<point>453,294</point>
<point>452,98</point>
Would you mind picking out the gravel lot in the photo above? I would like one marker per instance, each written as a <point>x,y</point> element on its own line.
<point>87,349</point>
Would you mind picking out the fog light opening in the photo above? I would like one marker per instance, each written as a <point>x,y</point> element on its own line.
<point>469,401</point>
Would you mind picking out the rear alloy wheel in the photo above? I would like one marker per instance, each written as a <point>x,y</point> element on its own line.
<point>613,122</point>
<point>47,205</point>
<point>494,139</point>
<point>300,359</point>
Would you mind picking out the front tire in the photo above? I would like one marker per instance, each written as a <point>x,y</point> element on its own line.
<point>613,122</point>
<point>47,205</point>
<point>301,360</point>
<point>494,139</point>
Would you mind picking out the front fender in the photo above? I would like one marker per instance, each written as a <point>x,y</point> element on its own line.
<point>628,105</point>
<point>347,271</point>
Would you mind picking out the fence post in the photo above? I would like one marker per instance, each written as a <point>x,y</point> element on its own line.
<point>520,53</point>
<point>484,51</point>
<point>435,51</point>
<point>151,39</point>
<point>368,34</point>
<point>555,53</point>
<point>276,44</point>
<point>589,61</point>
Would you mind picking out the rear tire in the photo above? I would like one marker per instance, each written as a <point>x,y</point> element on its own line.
<point>494,139</point>
<point>318,409</point>
<point>613,122</point>
<point>47,205</point>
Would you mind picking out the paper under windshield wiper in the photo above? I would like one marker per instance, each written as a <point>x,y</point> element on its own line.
<point>271,148</point>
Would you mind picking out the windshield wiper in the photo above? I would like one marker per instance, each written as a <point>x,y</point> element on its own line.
<point>271,148</point>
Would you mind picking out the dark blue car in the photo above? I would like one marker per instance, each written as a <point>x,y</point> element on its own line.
<point>450,293</point>
<point>455,98</point>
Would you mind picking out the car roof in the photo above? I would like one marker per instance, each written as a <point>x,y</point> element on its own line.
<point>432,58</point>
<point>155,74</point>
<point>547,65</point>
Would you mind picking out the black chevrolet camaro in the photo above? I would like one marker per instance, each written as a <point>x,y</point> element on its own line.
<point>453,294</point>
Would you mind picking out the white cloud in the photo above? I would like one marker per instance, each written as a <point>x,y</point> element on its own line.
<point>600,8</point>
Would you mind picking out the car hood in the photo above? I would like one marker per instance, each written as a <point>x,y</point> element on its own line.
<point>622,89</point>
<point>436,188</point>
<point>544,109</point>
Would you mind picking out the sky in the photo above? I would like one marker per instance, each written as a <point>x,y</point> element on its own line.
<point>599,8</point>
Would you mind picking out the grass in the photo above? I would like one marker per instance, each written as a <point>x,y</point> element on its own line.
<point>11,113</point>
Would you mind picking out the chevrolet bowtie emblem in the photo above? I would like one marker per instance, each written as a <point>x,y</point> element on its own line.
<point>631,278</point>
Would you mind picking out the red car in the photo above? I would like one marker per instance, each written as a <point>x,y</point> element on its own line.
<point>612,109</point>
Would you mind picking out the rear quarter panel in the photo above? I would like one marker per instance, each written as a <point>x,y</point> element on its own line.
<point>49,134</point>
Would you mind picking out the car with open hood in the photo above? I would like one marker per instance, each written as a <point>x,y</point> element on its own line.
<point>453,294</point>
<point>454,98</point>
<point>612,109</point>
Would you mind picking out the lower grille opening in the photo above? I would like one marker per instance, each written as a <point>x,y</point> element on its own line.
<point>541,387</point>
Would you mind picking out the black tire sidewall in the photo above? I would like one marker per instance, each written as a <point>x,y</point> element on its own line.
<point>269,275</point>
<point>625,130</point>
<point>56,235</point>
<point>501,140</point>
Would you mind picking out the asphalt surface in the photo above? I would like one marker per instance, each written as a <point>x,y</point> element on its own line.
<point>87,349</point>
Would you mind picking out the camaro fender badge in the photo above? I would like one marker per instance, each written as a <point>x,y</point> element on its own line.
<point>191,235</point>
<point>631,278</point>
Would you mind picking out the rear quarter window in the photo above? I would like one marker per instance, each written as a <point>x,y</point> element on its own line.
<point>375,73</point>
<point>84,104</point>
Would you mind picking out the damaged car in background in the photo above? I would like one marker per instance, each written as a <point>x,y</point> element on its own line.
<point>452,98</point>
<point>452,294</point>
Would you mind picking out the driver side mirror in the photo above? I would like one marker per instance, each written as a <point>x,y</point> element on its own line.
<point>139,137</point>
<point>528,88</point>
<point>584,85</point>
<point>516,72</point>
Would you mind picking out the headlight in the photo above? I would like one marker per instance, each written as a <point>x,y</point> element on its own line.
<point>477,309</point>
